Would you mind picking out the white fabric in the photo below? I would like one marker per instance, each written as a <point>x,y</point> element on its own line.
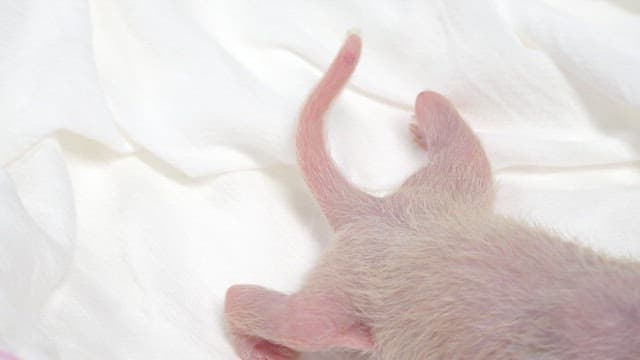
<point>148,162</point>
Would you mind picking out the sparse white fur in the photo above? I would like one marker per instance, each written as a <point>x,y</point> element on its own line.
<point>431,272</point>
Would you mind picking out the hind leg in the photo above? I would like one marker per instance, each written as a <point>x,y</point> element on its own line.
<point>458,165</point>
<point>269,325</point>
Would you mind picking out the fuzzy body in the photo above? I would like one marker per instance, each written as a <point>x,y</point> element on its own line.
<point>481,288</point>
<point>431,272</point>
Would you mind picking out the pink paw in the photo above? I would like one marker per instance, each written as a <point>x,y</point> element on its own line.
<point>251,348</point>
<point>264,350</point>
<point>418,136</point>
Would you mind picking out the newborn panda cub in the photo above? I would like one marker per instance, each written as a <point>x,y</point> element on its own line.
<point>430,271</point>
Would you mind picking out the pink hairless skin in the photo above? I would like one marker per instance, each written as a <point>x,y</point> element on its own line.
<point>7,356</point>
<point>431,272</point>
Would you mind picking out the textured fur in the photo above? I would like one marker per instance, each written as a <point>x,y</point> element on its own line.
<point>431,272</point>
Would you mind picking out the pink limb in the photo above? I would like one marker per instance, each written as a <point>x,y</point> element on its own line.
<point>269,325</point>
<point>458,162</point>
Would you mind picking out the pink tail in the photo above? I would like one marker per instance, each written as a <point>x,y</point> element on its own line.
<point>333,192</point>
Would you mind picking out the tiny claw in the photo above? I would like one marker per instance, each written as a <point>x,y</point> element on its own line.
<point>418,136</point>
